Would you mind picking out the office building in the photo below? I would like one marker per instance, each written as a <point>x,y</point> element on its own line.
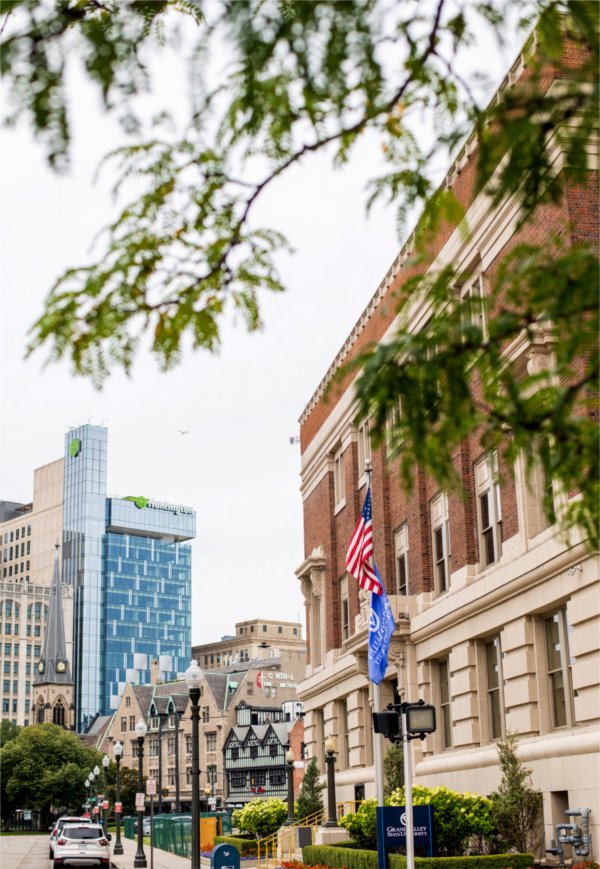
<point>127,565</point>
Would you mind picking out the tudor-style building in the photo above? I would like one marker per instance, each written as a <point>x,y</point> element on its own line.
<point>53,682</point>
<point>255,751</point>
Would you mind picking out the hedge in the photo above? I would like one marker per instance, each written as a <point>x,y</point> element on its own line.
<point>342,856</point>
<point>246,847</point>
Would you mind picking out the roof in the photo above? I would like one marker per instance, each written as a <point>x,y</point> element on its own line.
<point>54,646</point>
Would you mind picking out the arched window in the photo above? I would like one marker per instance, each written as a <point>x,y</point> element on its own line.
<point>58,714</point>
<point>40,712</point>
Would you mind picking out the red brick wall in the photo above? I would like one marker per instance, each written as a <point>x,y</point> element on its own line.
<point>575,219</point>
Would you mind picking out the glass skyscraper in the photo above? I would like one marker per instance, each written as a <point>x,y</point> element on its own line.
<point>131,572</point>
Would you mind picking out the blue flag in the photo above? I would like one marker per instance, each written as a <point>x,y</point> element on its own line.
<point>381,627</point>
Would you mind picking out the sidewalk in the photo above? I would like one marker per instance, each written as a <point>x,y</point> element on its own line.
<point>159,859</point>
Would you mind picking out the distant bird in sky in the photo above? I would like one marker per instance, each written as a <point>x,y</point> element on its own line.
<point>181,431</point>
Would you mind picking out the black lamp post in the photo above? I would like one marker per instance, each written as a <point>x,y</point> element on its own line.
<point>193,678</point>
<point>140,857</point>
<point>289,762</point>
<point>118,753</point>
<point>105,763</point>
<point>330,763</point>
<point>161,718</point>
<point>177,799</point>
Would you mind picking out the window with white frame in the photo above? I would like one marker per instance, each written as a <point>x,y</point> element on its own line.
<point>493,671</point>
<point>345,608</point>
<point>445,702</point>
<point>489,509</point>
<point>473,305</point>
<point>401,558</point>
<point>392,426</point>
<point>364,448</point>
<point>558,659</point>
<point>339,482</point>
<point>440,533</point>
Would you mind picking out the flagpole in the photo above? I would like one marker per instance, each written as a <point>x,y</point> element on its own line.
<point>377,740</point>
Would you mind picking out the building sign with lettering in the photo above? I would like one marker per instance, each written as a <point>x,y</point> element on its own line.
<point>391,825</point>
<point>141,502</point>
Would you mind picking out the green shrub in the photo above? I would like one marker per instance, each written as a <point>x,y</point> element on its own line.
<point>261,817</point>
<point>517,809</point>
<point>362,824</point>
<point>458,818</point>
<point>338,856</point>
<point>246,847</point>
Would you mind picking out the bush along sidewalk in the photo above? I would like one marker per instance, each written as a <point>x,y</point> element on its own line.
<point>336,857</point>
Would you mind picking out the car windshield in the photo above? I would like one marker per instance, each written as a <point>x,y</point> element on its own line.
<point>82,833</point>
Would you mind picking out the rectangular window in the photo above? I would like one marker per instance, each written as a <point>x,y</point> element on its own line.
<point>188,744</point>
<point>345,611</point>
<point>211,741</point>
<point>401,555</point>
<point>473,313</point>
<point>205,714</point>
<point>445,703</point>
<point>238,780</point>
<point>132,722</point>
<point>273,750</point>
<point>440,531</point>
<point>277,778</point>
<point>364,448</point>
<point>339,481</point>
<point>123,724</point>
<point>254,752</point>
<point>171,777</point>
<point>235,753</point>
<point>559,668</point>
<point>489,509</point>
<point>494,688</point>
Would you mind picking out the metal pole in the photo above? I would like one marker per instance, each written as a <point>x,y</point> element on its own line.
<point>177,798</point>
<point>195,697</point>
<point>408,804</point>
<point>160,727</point>
<point>118,849</point>
<point>140,857</point>
<point>379,784</point>
<point>105,811</point>
<point>331,807</point>
<point>290,794</point>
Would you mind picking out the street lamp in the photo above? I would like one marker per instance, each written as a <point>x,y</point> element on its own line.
<point>289,759</point>
<point>88,786</point>
<point>177,799</point>
<point>91,779</point>
<point>207,793</point>
<point>161,718</point>
<point>140,732</point>
<point>330,763</point>
<point>193,678</point>
<point>118,753</point>
<point>105,763</point>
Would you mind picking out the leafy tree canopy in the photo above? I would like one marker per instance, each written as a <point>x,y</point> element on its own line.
<point>304,76</point>
<point>8,731</point>
<point>45,767</point>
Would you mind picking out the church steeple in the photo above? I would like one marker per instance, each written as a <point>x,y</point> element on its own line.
<point>53,666</point>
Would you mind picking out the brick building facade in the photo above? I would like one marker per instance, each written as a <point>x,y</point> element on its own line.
<point>498,618</point>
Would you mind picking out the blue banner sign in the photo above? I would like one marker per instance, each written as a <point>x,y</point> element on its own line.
<point>391,827</point>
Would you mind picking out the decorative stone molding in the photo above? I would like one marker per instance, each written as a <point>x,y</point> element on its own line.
<point>362,663</point>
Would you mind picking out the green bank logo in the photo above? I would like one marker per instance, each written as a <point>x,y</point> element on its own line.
<point>140,501</point>
<point>75,448</point>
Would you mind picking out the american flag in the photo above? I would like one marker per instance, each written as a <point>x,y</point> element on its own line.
<point>359,560</point>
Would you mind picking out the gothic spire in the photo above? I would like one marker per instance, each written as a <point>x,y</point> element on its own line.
<point>53,666</point>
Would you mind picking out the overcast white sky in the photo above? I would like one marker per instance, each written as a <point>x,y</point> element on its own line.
<point>236,466</point>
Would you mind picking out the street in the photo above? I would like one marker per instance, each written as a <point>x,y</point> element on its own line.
<point>24,852</point>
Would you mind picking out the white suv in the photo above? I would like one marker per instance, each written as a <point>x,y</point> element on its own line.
<point>82,845</point>
<point>56,828</point>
